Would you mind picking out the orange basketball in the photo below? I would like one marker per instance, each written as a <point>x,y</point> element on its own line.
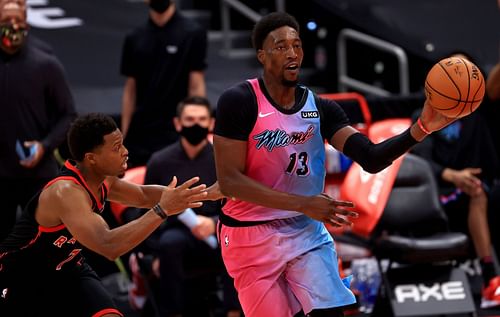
<point>455,87</point>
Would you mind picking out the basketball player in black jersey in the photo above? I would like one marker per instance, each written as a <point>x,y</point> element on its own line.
<point>42,271</point>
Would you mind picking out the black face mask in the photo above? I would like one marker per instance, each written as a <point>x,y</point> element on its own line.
<point>194,134</point>
<point>159,6</point>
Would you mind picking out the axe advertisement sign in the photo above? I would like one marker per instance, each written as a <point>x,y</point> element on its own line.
<point>429,290</point>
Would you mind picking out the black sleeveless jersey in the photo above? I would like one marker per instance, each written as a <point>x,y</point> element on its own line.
<point>46,249</point>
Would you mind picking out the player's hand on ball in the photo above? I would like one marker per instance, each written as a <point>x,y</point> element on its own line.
<point>433,120</point>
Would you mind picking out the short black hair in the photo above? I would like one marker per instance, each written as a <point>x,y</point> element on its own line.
<point>87,133</point>
<point>269,23</point>
<point>193,100</point>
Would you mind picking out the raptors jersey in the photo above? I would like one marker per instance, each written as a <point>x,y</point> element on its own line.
<point>54,246</point>
<point>285,151</point>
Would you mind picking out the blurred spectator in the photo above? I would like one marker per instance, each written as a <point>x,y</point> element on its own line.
<point>179,249</point>
<point>163,61</point>
<point>490,106</point>
<point>463,159</point>
<point>490,109</point>
<point>37,109</point>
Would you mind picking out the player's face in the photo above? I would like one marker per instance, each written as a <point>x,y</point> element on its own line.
<point>282,55</point>
<point>111,158</point>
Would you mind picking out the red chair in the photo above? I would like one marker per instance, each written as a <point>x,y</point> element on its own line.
<point>134,175</point>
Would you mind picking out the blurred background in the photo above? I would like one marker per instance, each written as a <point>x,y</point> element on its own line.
<point>378,47</point>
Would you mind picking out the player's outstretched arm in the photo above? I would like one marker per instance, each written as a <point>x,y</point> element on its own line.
<point>68,203</point>
<point>144,196</point>
<point>373,158</point>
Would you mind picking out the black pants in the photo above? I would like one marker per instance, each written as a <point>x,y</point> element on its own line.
<point>27,293</point>
<point>183,257</point>
<point>14,193</point>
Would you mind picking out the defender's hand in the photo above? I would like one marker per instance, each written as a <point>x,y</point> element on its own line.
<point>176,199</point>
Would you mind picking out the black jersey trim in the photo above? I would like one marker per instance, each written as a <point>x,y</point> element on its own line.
<point>232,222</point>
<point>301,93</point>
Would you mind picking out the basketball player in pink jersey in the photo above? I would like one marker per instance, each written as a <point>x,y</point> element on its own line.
<point>269,148</point>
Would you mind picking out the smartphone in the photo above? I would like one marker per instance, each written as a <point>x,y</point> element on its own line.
<point>24,152</point>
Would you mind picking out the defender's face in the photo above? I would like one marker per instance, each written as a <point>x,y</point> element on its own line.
<point>282,55</point>
<point>111,158</point>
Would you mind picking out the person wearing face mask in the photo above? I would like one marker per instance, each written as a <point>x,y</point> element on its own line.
<point>163,62</point>
<point>178,249</point>
<point>36,110</point>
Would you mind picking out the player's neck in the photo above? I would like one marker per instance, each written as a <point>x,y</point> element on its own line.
<point>192,151</point>
<point>160,19</point>
<point>282,95</point>
<point>93,179</point>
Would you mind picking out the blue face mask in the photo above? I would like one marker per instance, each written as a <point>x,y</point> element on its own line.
<point>159,6</point>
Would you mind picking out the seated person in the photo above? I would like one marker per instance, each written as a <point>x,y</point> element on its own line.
<point>464,161</point>
<point>490,109</point>
<point>176,248</point>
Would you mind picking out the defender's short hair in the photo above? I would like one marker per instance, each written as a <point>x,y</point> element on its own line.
<point>87,133</point>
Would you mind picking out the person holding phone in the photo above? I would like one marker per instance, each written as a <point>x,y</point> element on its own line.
<point>37,108</point>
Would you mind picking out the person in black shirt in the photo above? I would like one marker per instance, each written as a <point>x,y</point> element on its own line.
<point>463,160</point>
<point>163,61</point>
<point>36,109</point>
<point>42,269</point>
<point>177,247</point>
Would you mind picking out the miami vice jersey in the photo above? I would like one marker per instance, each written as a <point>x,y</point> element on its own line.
<point>285,152</point>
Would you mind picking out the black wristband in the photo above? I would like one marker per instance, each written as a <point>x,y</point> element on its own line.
<point>159,211</point>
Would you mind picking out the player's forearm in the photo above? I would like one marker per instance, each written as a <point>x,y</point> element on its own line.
<point>151,195</point>
<point>242,187</point>
<point>120,240</point>
<point>375,157</point>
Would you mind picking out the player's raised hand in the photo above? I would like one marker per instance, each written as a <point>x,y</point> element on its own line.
<point>432,120</point>
<point>324,208</point>
<point>176,199</point>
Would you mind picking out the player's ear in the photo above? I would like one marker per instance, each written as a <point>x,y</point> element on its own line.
<point>261,56</point>
<point>90,157</point>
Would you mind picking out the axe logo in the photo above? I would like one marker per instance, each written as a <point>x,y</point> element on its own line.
<point>453,290</point>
